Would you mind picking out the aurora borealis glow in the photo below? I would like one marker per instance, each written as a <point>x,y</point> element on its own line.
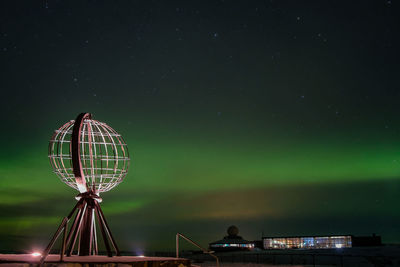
<point>277,117</point>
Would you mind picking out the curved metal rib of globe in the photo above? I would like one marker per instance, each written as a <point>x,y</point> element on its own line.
<point>91,157</point>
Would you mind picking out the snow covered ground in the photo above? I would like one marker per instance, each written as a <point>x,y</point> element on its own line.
<point>248,265</point>
<point>357,257</point>
<point>17,260</point>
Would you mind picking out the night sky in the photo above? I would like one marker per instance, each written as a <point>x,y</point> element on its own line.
<point>280,117</point>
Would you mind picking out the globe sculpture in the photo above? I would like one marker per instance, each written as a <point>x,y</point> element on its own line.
<point>91,157</point>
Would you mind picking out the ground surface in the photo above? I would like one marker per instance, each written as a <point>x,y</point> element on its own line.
<point>129,260</point>
<point>248,265</point>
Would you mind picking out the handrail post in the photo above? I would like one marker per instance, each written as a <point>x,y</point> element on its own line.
<point>177,245</point>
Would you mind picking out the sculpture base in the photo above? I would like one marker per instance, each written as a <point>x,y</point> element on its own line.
<point>83,230</point>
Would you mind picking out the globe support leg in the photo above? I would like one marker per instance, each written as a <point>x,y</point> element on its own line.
<point>83,230</point>
<point>95,247</point>
<point>75,231</point>
<point>103,232</point>
<point>102,220</point>
<point>86,230</point>
<point>63,227</point>
<point>72,230</point>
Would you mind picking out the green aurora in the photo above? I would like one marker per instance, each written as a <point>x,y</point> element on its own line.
<point>254,184</point>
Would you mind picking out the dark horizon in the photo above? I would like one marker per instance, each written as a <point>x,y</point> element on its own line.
<point>278,117</point>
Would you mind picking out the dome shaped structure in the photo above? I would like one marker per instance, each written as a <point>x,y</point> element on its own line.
<point>232,230</point>
<point>90,157</point>
<point>231,242</point>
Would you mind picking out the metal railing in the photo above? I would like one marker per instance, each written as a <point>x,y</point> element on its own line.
<point>205,251</point>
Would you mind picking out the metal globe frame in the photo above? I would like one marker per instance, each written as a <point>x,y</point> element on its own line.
<point>95,157</point>
<point>90,157</point>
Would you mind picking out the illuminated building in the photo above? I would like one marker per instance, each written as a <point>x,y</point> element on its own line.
<point>320,242</point>
<point>343,241</point>
<point>231,242</point>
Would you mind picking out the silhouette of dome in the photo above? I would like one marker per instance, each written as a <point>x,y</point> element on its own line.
<point>232,230</point>
<point>231,242</point>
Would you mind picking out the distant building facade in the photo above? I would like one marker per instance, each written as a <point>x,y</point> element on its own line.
<point>307,242</point>
<point>231,242</point>
<point>320,242</point>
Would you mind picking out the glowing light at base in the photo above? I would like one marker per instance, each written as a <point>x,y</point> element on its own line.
<point>36,254</point>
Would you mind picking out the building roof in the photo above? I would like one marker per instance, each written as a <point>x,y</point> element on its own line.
<point>231,241</point>
<point>232,237</point>
<point>300,236</point>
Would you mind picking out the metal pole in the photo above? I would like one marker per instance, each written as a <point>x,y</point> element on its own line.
<point>95,247</point>
<point>107,228</point>
<point>74,224</point>
<point>177,245</point>
<point>63,241</point>
<point>103,231</point>
<point>53,240</point>
<point>86,230</point>
<point>76,230</point>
